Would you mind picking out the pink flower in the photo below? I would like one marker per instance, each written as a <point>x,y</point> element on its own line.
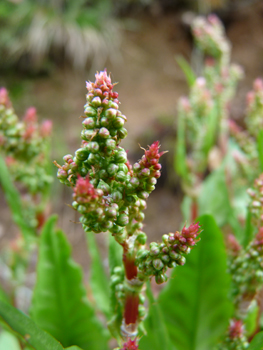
<point>31,115</point>
<point>130,345</point>
<point>46,128</point>
<point>236,329</point>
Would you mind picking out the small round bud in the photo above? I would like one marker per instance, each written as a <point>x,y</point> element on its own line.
<point>81,154</point>
<point>104,133</point>
<point>118,123</point>
<point>154,250</point>
<point>143,195</point>
<point>110,144</point>
<point>121,157</point>
<point>120,176</point>
<point>122,133</point>
<point>136,167</point>
<point>124,168</point>
<point>116,196</point>
<point>174,255</point>
<point>165,258</point>
<point>89,123</point>
<point>90,112</point>
<point>139,216</point>
<point>123,220</point>
<point>160,278</point>
<point>111,113</point>
<point>141,238</point>
<point>112,169</point>
<point>111,212</point>
<point>96,101</point>
<point>158,264</point>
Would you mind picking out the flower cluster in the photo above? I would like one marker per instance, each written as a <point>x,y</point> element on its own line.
<point>210,36</point>
<point>235,338</point>
<point>170,253</point>
<point>256,195</point>
<point>24,145</point>
<point>121,189</point>
<point>255,108</point>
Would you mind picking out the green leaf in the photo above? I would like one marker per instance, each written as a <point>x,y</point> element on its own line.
<point>195,302</point>
<point>3,296</point>
<point>157,335</point>
<point>249,229</point>
<point>74,347</point>
<point>180,150</point>
<point>212,126</point>
<point>8,341</point>
<point>98,280</point>
<point>13,199</point>
<point>115,254</point>
<point>251,320</point>
<point>186,68</point>
<point>59,302</point>
<point>260,149</point>
<point>27,328</point>
<point>257,342</point>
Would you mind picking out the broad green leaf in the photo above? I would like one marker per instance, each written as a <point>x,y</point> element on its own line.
<point>157,335</point>
<point>27,328</point>
<point>13,199</point>
<point>74,347</point>
<point>98,280</point>
<point>8,341</point>
<point>180,150</point>
<point>59,303</point>
<point>195,302</point>
<point>186,68</point>
<point>3,296</point>
<point>260,149</point>
<point>257,342</point>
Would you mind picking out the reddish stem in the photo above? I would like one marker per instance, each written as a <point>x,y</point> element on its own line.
<point>131,310</point>
<point>129,263</point>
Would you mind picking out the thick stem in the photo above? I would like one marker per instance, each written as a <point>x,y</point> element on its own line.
<point>194,210</point>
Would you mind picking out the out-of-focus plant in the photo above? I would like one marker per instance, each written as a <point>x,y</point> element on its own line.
<point>32,32</point>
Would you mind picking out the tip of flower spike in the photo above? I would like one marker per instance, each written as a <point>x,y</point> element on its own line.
<point>130,345</point>
<point>236,329</point>
<point>31,115</point>
<point>84,191</point>
<point>192,231</point>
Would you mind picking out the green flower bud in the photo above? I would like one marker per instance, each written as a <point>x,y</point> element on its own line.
<point>89,123</point>
<point>172,264</point>
<point>141,238</point>
<point>120,176</point>
<point>120,157</point>
<point>93,159</point>
<point>134,182</point>
<point>75,205</point>
<point>142,254</point>
<point>165,258</point>
<point>87,134</point>
<point>110,144</point>
<point>143,194</point>
<point>116,196</point>
<point>93,147</point>
<point>160,278</point>
<point>122,133</point>
<point>142,311</point>
<point>141,298</point>
<point>81,154</point>
<point>118,123</point>
<point>104,133</point>
<point>111,113</point>
<point>139,216</point>
<point>96,101</point>
<point>124,168</point>
<point>123,220</point>
<point>174,255</point>
<point>103,174</point>
<point>158,264</point>
<point>90,112</point>
<point>111,212</point>
<point>104,187</point>
<point>81,209</point>
<point>136,167</point>
<point>154,250</point>
<point>83,171</point>
<point>181,261</point>
<point>104,121</point>
<point>113,105</point>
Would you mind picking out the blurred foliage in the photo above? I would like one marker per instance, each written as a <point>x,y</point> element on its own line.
<point>35,33</point>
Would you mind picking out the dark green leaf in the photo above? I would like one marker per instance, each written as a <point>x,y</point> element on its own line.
<point>186,68</point>
<point>3,296</point>
<point>27,328</point>
<point>59,302</point>
<point>13,199</point>
<point>195,302</point>
<point>157,335</point>
<point>98,280</point>
<point>257,342</point>
<point>260,149</point>
<point>251,320</point>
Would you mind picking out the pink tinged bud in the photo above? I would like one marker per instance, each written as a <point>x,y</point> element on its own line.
<point>236,329</point>
<point>130,345</point>
<point>192,231</point>
<point>96,101</point>
<point>200,82</point>
<point>250,98</point>
<point>258,85</point>
<point>4,99</point>
<point>84,191</point>
<point>31,115</point>
<point>46,128</point>
<point>111,113</point>
<point>259,237</point>
<point>29,132</point>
